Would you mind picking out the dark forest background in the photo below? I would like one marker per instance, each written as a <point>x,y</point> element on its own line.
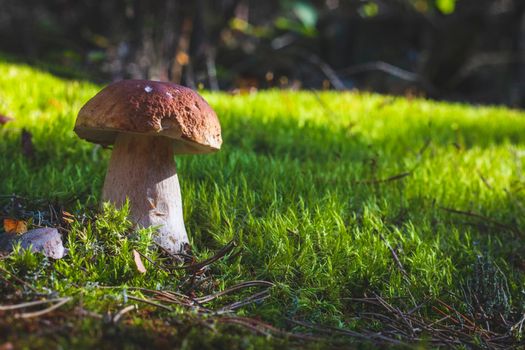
<point>465,50</point>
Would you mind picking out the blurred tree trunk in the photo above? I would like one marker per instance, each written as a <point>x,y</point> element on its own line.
<point>518,91</point>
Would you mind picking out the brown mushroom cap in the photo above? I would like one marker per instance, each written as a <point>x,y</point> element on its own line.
<point>151,108</point>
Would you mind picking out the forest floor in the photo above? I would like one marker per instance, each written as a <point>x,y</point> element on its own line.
<point>340,219</point>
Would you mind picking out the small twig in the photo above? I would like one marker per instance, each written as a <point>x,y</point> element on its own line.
<point>479,216</point>
<point>482,60</point>
<point>388,179</point>
<point>402,175</point>
<point>332,330</point>
<point>242,285</point>
<point>450,308</point>
<point>382,67</point>
<point>264,328</point>
<point>175,298</point>
<point>175,255</point>
<point>122,312</point>
<point>242,321</point>
<point>60,302</point>
<point>255,298</point>
<point>152,303</point>
<point>329,110</point>
<point>518,325</point>
<point>417,307</point>
<point>373,300</point>
<point>336,82</point>
<point>398,312</point>
<point>19,280</point>
<point>28,304</point>
<point>153,262</point>
<point>83,312</point>
<point>394,255</point>
<point>200,265</point>
<point>423,149</point>
<point>484,180</point>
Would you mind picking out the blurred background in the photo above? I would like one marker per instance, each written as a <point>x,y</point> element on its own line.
<point>461,50</point>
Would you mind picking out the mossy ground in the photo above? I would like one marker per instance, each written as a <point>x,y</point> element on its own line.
<point>331,196</point>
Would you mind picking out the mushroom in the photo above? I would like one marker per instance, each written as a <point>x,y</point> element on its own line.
<point>148,122</point>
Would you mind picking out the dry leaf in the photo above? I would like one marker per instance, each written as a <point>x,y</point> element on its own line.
<point>15,226</point>
<point>67,217</point>
<point>138,262</point>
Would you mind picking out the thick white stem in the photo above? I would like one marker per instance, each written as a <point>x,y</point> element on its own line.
<point>142,169</point>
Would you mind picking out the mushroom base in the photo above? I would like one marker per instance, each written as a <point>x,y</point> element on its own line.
<point>142,169</point>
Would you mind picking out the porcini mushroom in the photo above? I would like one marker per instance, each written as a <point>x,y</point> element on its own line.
<point>148,122</point>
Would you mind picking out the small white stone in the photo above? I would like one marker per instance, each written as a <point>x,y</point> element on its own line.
<point>148,89</point>
<point>169,95</point>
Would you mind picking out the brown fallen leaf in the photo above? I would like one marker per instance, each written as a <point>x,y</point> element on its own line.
<point>68,217</point>
<point>4,119</point>
<point>138,262</point>
<point>15,226</point>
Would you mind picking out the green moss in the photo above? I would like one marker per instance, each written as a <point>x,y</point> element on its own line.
<point>299,186</point>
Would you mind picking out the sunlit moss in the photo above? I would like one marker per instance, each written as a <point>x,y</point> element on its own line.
<point>308,185</point>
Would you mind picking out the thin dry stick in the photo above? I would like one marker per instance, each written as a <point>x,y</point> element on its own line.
<point>242,322</point>
<point>518,325</point>
<point>403,174</point>
<point>485,181</point>
<point>423,149</point>
<point>200,265</point>
<point>388,179</point>
<point>175,255</point>
<point>19,280</point>
<point>208,298</point>
<point>327,109</point>
<point>146,301</point>
<point>336,82</point>
<point>174,298</point>
<point>28,304</point>
<point>367,336</point>
<point>450,308</point>
<point>383,67</point>
<point>394,255</point>
<point>122,312</point>
<point>153,262</point>
<point>83,312</point>
<point>264,328</point>
<point>257,297</point>
<point>482,217</point>
<point>398,313</point>
<point>45,311</point>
